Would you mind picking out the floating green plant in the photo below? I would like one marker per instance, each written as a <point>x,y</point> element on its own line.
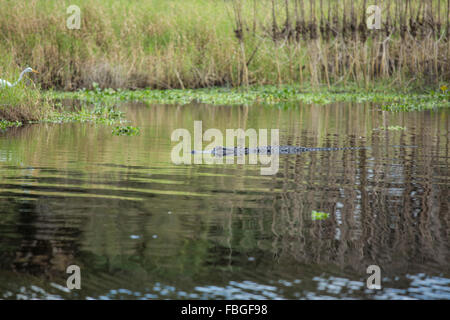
<point>5,124</point>
<point>315,215</point>
<point>125,131</point>
<point>98,114</point>
<point>391,128</point>
<point>270,95</point>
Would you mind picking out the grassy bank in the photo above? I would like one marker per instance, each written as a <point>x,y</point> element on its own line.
<point>23,102</point>
<point>204,43</point>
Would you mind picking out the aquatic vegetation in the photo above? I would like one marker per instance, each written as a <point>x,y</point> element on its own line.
<point>271,95</point>
<point>25,103</point>
<point>315,215</point>
<point>416,102</point>
<point>102,114</point>
<point>4,124</point>
<point>391,128</point>
<point>126,131</point>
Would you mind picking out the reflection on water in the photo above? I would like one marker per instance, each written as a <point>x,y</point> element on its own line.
<point>142,228</point>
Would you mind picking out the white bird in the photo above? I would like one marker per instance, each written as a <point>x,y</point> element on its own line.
<point>4,83</point>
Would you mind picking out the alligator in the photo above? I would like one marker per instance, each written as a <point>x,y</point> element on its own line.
<point>239,151</point>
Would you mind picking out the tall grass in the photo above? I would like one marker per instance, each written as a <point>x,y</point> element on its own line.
<point>203,43</point>
<point>22,102</point>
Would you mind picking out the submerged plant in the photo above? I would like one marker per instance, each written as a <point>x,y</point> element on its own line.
<point>126,131</point>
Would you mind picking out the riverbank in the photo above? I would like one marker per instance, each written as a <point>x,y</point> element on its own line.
<point>98,105</point>
<point>24,105</point>
<point>206,43</point>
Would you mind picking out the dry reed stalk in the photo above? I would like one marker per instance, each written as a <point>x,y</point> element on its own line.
<point>297,21</point>
<point>274,22</point>
<point>287,26</point>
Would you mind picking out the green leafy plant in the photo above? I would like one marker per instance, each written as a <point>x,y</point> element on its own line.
<point>126,131</point>
<point>102,114</point>
<point>315,215</point>
<point>391,128</point>
<point>266,95</point>
<point>4,124</point>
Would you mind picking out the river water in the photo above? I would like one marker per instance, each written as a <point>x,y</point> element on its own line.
<point>141,227</point>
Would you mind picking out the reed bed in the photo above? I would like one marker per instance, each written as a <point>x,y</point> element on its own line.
<point>329,42</point>
<point>206,43</point>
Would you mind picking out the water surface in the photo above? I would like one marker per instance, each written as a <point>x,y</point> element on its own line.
<point>141,227</point>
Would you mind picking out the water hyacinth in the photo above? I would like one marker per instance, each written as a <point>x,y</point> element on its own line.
<point>125,131</point>
<point>389,99</point>
<point>390,128</point>
<point>4,124</point>
<point>315,215</point>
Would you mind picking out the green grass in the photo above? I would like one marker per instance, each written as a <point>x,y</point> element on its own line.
<point>120,43</point>
<point>25,104</point>
<point>22,103</point>
<point>192,44</point>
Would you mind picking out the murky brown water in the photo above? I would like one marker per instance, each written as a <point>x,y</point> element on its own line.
<point>141,227</point>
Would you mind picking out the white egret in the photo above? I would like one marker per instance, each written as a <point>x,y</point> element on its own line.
<point>4,83</point>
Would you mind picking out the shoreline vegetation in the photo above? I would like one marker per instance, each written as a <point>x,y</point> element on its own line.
<point>99,105</point>
<point>176,44</point>
<point>222,52</point>
<point>388,99</point>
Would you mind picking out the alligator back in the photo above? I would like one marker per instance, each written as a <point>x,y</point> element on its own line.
<point>236,151</point>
